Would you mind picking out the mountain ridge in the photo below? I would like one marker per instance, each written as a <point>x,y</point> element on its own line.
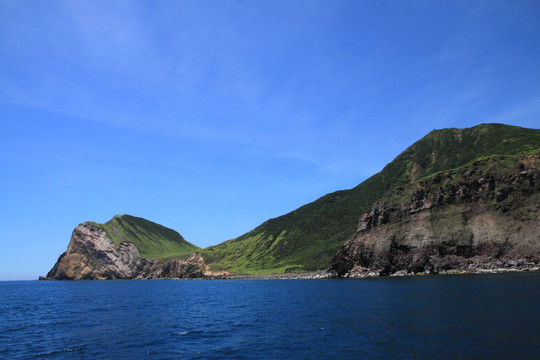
<point>308,238</point>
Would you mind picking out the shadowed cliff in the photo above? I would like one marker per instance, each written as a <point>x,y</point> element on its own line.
<point>485,215</point>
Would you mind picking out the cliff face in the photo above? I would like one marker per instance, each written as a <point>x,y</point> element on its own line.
<point>190,268</point>
<point>307,238</point>
<point>92,255</point>
<point>482,216</point>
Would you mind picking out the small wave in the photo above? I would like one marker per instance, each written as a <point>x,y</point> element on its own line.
<point>238,325</point>
<point>189,332</point>
<point>57,352</point>
<point>180,333</point>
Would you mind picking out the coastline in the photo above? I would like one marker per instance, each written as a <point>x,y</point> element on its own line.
<point>364,275</point>
<point>371,274</point>
<point>323,274</point>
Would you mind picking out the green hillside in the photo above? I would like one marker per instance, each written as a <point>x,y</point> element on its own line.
<point>152,240</point>
<point>307,238</point>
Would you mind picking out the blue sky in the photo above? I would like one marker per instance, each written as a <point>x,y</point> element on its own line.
<point>211,117</point>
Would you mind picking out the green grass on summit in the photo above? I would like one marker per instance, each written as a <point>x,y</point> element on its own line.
<point>153,241</point>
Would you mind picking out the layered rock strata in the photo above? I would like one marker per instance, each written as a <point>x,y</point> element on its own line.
<point>483,216</point>
<point>91,255</point>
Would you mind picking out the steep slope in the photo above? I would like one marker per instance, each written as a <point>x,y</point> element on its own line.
<point>484,215</point>
<point>153,241</point>
<point>92,255</point>
<point>307,238</point>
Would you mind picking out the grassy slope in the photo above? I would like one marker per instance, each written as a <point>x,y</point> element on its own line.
<point>308,237</point>
<point>152,240</point>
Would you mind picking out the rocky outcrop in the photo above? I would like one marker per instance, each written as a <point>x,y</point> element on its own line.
<point>92,255</point>
<point>484,216</point>
<point>191,268</point>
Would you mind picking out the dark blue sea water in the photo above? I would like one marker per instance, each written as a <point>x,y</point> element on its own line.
<point>431,317</point>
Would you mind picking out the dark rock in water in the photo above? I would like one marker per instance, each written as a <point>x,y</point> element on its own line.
<point>465,220</point>
<point>91,255</point>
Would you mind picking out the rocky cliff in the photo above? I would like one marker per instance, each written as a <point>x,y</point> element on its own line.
<point>485,215</point>
<point>307,238</point>
<point>91,255</point>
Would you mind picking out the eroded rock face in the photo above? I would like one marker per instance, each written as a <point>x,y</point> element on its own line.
<point>471,220</point>
<point>192,268</point>
<point>92,255</point>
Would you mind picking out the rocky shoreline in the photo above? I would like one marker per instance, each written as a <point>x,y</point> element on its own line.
<point>365,274</point>
<point>355,274</point>
<point>287,276</point>
<point>372,274</point>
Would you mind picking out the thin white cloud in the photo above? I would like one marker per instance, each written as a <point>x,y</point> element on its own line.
<point>194,72</point>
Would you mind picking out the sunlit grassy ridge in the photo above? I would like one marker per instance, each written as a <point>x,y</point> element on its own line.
<point>307,238</point>
<point>153,241</point>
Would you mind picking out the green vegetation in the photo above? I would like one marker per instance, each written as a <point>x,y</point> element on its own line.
<point>447,217</point>
<point>152,240</point>
<point>307,238</point>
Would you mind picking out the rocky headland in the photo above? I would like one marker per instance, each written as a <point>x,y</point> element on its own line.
<point>92,255</point>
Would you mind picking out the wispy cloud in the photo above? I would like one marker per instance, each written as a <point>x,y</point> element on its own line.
<point>320,88</point>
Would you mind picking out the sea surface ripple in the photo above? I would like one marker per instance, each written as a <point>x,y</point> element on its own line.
<point>429,317</point>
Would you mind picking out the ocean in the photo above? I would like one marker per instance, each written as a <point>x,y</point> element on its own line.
<point>488,316</point>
